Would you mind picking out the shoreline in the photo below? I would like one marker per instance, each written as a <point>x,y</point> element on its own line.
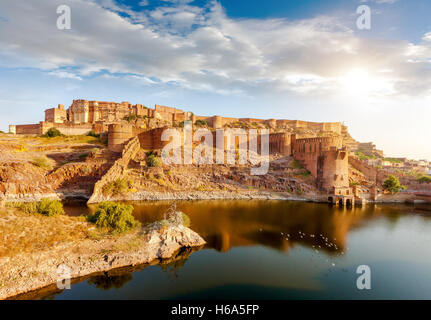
<point>27,272</point>
<point>202,195</point>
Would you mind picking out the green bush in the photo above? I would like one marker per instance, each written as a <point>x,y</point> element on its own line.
<point>393,185</point>
<point>50,207</point>
<point>201,123</point>
<point>153,161</point>
<point>186,220</point>
<point>116,217</point>
<point>130,118</point>
<point>93,134</point>
<point>41,162</point>
<point>117,187</point>
<point>46,207</point>
<point>424,179</point>
<point>52,133</point>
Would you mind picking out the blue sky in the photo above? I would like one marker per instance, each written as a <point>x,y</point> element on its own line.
<point>269,59</point>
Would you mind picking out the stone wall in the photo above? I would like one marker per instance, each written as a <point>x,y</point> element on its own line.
<point>369,172</point>
<point>117,170</point>
<point>28,129</point>
<point>118,135</point>
<point>280,143</point>
<point>326,159</point>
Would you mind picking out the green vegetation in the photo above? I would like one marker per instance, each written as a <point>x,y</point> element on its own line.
<point>153,161</point>
<point>362,156</point>
<point>304,173</point>
<point>392,160</point>
<point>41,162</point>
<point>186,220</point>
<point>201,123</point>
<point>83,156</point>
<point>296,165</point>
<point>424,179</point>
<point>117,187</point>
<point>131,117</point>
<point>93,134</point>
<point>46,207</point>
<point>393,185</point>
<point>52,133</point>
<point>116,217</point>
<point>354,183</point>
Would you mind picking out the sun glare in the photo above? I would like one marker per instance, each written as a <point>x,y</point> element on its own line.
<point>361,82</point>
<point>357,81</point>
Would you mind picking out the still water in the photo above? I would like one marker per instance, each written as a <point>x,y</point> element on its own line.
<point>278,250</point>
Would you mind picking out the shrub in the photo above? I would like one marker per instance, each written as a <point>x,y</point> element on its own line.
<point>116,217</point>
<point>117,187</point>
<point>41,162</point>
<point>296,164</point>
<point>83,156</point>
<point>201,123</point>
<point>393,185</point>
<point>50,207</point>
<point>52,133</point>
<point>392,160</point>
<point>186,220</point>
<point>424,179</point>
<point>130,118</point>
<point>153,161</point>
<point>362,156</point>
<point>93,134</point>
<point>46,207</point>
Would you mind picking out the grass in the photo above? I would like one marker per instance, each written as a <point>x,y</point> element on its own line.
<point>153,161</point>
<point>81,139</point>
<point>303,173</point>
<point>117,187</point>
<point>45,207</point>
<point>362,156</point>
<point>22,232</point>
<point>41,162</point>
<point>296,165</point>
<point>83,156</point>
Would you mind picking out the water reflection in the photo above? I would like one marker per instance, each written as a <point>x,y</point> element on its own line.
<point>277,224</point>
<point>251,253</point>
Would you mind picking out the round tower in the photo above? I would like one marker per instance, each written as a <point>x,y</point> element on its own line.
<point>118,135</point>
<point>217,122</point>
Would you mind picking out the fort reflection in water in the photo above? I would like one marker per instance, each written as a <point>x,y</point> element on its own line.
<point>277,224</point>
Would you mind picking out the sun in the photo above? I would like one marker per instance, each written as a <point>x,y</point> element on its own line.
<point>358,81</point>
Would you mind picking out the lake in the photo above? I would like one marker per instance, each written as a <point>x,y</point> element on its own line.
<point>278,250</point>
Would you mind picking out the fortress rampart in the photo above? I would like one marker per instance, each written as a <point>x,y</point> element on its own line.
<point>325,157</point>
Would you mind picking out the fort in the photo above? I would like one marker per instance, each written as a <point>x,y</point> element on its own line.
<point>320,147</point>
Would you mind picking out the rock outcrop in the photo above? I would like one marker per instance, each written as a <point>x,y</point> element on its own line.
<point>31,271</point>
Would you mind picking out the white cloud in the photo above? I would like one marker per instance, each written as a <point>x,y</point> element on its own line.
<point>64,75</point>
<point>380,1</point>
<point>203,49</point>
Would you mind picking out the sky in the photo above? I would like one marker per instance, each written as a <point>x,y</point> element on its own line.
<point>305,60</point>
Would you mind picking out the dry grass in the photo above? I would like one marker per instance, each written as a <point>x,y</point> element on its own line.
<point>63,139</point>
<point>23,232</point>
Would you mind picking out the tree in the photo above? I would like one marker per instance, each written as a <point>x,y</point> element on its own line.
<point>117,217</point>
<point>393,185</point>
<point>52,133</point>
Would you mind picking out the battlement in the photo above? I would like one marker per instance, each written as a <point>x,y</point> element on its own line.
<point>324,156</point>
